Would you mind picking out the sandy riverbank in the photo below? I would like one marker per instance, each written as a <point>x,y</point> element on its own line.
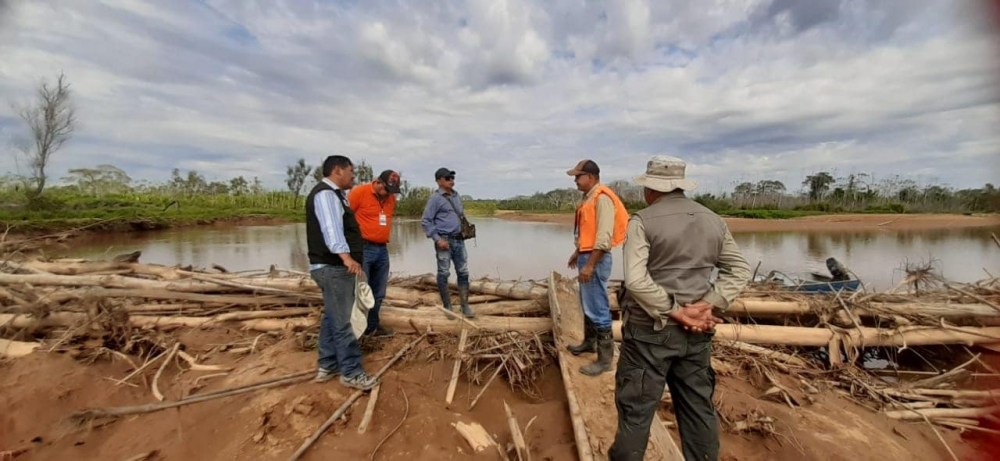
<point>823,222</point>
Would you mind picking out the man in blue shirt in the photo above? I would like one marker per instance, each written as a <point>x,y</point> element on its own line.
<point>335,254</point>
<point>441,223</point>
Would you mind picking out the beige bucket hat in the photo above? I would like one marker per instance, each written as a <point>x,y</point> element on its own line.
<point>665,174</point>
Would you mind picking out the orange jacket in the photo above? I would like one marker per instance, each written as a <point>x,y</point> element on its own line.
<point>367,209</point>
<point>586,220</point>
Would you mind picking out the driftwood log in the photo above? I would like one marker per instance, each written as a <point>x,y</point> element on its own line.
<point>511,289</point>
<point>398,318</point>
<point>933,413</point>
<point>15,349</point>
<point>584,451</point>
<point>751,307</point>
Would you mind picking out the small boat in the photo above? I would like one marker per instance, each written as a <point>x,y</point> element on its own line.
<point>839,279</point>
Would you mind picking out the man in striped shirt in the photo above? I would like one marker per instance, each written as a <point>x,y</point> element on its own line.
<point>335,254</point>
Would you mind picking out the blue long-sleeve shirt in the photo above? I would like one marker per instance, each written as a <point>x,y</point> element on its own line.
<point>330,212</point>
<point>439,217</point>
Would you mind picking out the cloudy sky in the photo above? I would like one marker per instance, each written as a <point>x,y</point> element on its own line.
<point>511,93</point>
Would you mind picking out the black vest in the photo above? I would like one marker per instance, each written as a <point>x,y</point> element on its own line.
<point>319,253</point>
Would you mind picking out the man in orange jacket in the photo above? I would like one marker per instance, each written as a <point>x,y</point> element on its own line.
<point>373,204</point>
<point>601,221</point>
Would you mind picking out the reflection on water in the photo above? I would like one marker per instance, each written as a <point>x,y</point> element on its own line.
<point>512,250</point>
<point>876,256</point>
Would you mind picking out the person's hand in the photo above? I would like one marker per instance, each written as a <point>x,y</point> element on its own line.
<point>353,267</point>
<point>442,244</point>
<point>572,260</point>
<point>696,317</point>
<point>586,273</point>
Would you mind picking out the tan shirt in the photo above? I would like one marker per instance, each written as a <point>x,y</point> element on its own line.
<point>605,221</point>
<point>734,272</point>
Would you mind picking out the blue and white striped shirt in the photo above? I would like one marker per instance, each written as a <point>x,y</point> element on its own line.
<point>330,213</point>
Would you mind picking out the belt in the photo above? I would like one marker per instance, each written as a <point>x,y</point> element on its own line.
<point>375,244</point>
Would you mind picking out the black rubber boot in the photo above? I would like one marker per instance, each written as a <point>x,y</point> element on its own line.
<point>445,299</point>
<point>589,343</point>
<point>463,296</point>
<point>605,352</point>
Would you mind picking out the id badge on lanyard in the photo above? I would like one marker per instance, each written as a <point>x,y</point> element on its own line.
<point>382,219</point>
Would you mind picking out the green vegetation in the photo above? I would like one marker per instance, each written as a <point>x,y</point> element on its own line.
<point>822,193</point>
<point>106,196</point>
<point>768,214</point>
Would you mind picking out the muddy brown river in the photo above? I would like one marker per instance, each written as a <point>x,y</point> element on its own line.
<point>512,250</point>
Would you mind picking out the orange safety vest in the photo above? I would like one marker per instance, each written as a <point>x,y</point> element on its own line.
<point>586,220</point>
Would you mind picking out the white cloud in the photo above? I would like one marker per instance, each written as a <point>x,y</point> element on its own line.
<point>512,93</point>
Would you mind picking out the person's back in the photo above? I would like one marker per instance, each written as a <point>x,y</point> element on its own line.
<point>671,249</point>
<point>685,240</point>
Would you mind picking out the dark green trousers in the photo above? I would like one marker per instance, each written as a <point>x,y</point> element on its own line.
<point>676,358</point>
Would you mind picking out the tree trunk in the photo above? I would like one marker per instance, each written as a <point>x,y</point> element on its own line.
<point>932,413</point>
<point>754,307</point>
<point>866,337</point>
<point>508,308</point>
<point>508,289</point>
<point>399,319</point>
<point>396,318</point>
<point>15,349</point>
<point>186,286</point>
<point>249,301</point>
<point>79,268</point>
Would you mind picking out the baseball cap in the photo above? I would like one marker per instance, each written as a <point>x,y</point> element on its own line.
<point>585,167</point>
<point>442,173</point>
<point>391,180</point>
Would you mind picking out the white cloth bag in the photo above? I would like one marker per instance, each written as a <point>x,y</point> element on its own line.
<point>364,300</point>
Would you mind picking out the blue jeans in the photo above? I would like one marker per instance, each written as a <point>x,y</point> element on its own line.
<point>376,268</point>
<point>338,349</point>
<point>454,254</point>
<point>594,294</point>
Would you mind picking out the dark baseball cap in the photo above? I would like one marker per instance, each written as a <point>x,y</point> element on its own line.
<point>443,173</point>
<point>391,180</point>
<point>585,167</point>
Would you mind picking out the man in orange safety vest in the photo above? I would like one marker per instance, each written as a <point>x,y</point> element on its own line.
<point>601,222</point>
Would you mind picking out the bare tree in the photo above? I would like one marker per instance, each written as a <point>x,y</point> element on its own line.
<point>239,186</point>
<point>51,120</point>
<point>363,173</point>
<point>818,184</point>
<point>296,176</point>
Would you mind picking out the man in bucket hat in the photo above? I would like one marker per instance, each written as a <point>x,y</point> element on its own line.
<point>671,249</point>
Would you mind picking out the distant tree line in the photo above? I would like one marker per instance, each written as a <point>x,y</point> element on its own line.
<point>821,191</point>
<point>859,192</point>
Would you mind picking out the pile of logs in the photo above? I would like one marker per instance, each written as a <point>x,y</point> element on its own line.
<point>57,299</point>
<point>60,294</point>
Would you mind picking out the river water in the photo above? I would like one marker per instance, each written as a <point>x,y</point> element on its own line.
<point>529,250</point>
